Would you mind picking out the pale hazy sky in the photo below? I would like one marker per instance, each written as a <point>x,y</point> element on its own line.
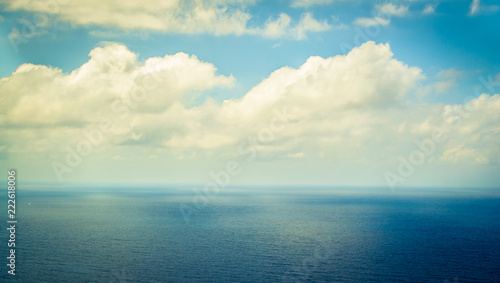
<point>328,92</point>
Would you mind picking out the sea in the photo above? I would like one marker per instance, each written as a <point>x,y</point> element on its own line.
<point>158,233</point>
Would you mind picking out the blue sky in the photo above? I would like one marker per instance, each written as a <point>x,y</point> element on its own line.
<point>449,38</point>
<point>453,44</point>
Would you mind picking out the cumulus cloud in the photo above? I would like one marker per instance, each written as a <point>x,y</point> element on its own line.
<point>37,98</point>
<point>282,27</point>
<point>350,108</point>
<point>391,9</point>
<point>219,17</point>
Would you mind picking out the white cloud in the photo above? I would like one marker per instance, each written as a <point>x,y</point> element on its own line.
<point>476,8</point>
<point>429,9</point>
<point>368,22</point>
<point>219,17</point>
<point>444,81</point>
<point>459,153</point>
<point>391,9</point>
<point>296,155</point>
<point>307,24</point>
<point>350,108</point>
<point>383,14</point>
<point>37,96</point>
<point>444,86</point>
<point>449,74</point>
<point>277,28</point>
<point>308,3</point>
<point>198,16</point>
<point>282,27</point>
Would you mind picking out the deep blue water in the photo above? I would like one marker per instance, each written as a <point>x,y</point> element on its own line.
<point>139,234</point>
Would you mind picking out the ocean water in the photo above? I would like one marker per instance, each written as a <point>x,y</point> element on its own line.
<point>139,234</point>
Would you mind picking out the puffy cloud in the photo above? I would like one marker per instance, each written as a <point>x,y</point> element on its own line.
<point>391,9</point>
<point>282,27</point>
<point>336,82</point>
<point>349,108</point>
<point>44,100</point>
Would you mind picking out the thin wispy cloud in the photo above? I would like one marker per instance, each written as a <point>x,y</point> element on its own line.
<point>309,3</point>
<point>476,7</point>
<point>368,22</point>
<point>383,13</point>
